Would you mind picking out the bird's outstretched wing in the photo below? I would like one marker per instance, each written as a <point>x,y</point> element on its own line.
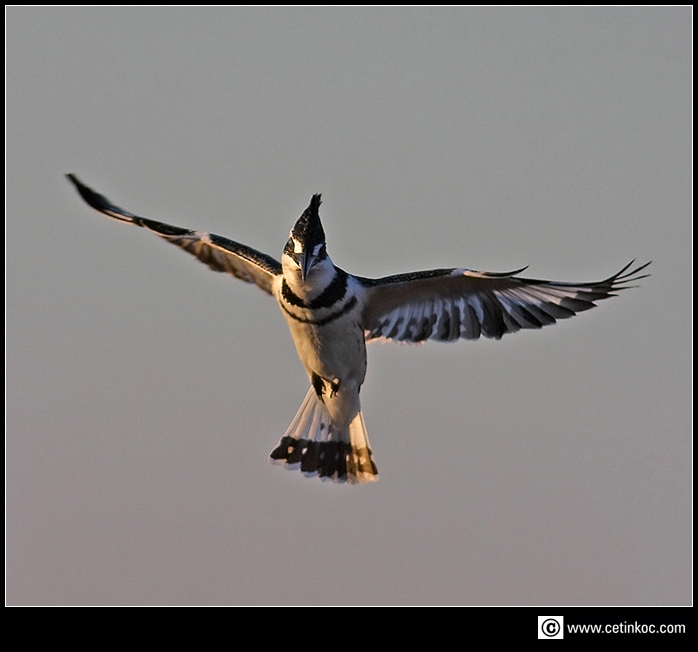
<point>220,254</point>
<point>447,304</point>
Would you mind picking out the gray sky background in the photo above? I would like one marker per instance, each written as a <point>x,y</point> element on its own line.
<point>144,392</point>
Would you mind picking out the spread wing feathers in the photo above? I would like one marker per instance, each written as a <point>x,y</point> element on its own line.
<point>448,304</point>
<point>220,254</point>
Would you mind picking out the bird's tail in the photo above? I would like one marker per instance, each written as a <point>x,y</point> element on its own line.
<point>313,444</point>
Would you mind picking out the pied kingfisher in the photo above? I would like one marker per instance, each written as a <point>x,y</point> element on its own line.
<point>332,314</point>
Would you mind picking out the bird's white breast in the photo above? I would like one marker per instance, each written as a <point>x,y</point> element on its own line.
<point>329,340</point>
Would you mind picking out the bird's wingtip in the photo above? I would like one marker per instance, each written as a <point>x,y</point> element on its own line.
<point>79,185</point>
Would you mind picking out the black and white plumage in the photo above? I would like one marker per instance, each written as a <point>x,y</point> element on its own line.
<point>332,314</point>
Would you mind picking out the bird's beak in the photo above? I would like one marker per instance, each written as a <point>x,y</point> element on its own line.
<point>306,262</point>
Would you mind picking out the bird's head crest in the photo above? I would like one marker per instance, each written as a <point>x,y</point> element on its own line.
<point>308,229</point>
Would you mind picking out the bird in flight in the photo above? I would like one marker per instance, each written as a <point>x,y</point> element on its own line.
<point>332,314</point>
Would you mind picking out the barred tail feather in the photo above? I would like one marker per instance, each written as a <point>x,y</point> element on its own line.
<point>313,444</point>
